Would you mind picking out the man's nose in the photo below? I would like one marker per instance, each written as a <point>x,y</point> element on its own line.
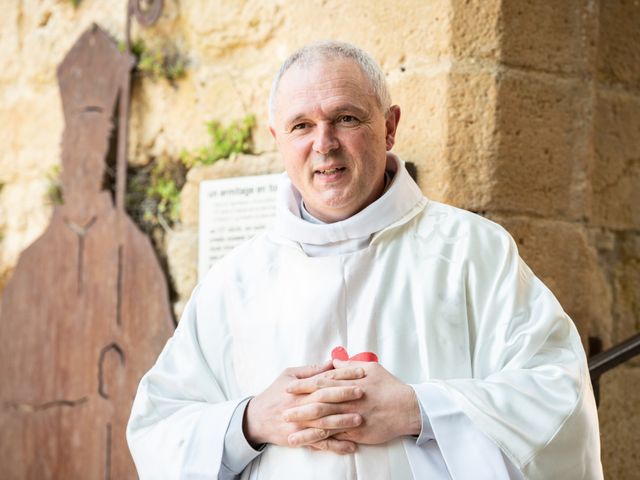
<point>325,140</point>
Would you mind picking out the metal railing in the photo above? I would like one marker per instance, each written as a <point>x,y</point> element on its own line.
<point>605,361</point>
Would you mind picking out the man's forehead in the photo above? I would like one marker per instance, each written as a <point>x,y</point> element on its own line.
<point>338,83</point>
<point>309,73</point>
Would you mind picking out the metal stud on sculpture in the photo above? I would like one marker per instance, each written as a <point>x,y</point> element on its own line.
<point>86,311</point>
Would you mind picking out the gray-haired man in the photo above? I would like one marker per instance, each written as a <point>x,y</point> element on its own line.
<point>480,374</point>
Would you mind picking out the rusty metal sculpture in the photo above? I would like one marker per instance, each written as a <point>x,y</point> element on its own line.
<point>86,311</point>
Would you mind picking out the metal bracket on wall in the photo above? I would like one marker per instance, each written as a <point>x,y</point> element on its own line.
<point>605,361</point>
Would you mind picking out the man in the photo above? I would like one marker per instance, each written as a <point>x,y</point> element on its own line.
<point>480,375</point>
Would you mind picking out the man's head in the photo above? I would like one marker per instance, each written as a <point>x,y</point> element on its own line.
<point>331,117</point>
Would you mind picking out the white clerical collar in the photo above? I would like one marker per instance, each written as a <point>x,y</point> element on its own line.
<point>400,198</point>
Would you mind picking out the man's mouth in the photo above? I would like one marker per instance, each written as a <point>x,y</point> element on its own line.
<point>330,171</point>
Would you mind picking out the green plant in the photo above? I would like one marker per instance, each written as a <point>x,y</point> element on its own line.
<point>75,3</point>
<point>158,61</point>
<point>137,47</point>
<point>167,179</point>
<point>153,191</point>
<point>54,194</point>
<point>234,138</point>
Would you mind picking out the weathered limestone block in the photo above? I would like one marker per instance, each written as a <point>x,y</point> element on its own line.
<point>416,29</point>
<point>542,131</point>
<point>165,120</point>
<point>44,30</point>
<point>475,29</point>
<point>182,259</point>
<point>626,287</point>
<point>422,97</point>
<point>230,90</point>
<point>547,36</point>
<point>560,254</point>
<point>224,26</point>
<point>619,256</point>
<point>619,37</point>
<point>10,39</point>
<point>467,177</point>
<point>31,146</point>
<point>239,165</point>
<point>616,169</point>
<point>620,422</point>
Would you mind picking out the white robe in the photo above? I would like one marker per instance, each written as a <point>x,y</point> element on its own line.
<point>440,295</point>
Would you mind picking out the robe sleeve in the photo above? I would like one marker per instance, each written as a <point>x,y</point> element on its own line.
<point>238,452</point>
<point>180,414</point>
<point>530,391</point>
<point>461,448</point>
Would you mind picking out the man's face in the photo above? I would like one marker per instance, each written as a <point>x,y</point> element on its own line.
<point>333,137</point>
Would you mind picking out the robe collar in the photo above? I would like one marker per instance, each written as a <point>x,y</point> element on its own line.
<point>402,196</point>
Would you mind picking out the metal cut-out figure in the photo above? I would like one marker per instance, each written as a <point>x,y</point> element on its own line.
<point>87,310</point>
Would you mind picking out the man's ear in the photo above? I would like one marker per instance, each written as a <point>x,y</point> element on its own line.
<point>391,124</point>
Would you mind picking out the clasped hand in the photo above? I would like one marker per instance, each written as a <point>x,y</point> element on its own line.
<point>334,407</point>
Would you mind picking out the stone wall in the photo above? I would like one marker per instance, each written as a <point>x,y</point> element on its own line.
<point>527,112</point>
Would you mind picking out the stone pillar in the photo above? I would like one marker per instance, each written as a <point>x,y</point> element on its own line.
<point>615,217</point>
<point>520,104</point>
<point>543,136</point>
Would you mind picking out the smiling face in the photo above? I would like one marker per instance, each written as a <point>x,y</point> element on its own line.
<point>333,136</point>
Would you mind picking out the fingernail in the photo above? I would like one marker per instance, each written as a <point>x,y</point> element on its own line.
<point>357,391</point>
<point>360,372</point>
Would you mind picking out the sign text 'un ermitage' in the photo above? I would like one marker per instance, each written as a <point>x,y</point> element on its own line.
<point>232,210</point>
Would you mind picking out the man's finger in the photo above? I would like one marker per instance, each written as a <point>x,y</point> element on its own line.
<point>341,447</point>
<point>336,395</point>
<point>308,436</point>
<point>340,364</point>
<point>321,415</point>
<point>309,412</point>
<point>325,379</point>
<point>342,421</point>
<point>310,370</point>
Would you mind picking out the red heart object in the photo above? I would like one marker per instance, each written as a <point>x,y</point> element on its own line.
<point>340,353</point>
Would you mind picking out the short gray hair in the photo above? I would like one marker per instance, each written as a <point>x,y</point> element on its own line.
<point>332,50</point>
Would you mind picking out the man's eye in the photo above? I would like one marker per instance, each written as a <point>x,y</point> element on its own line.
<point>348,120</point>
<point>299,126</point>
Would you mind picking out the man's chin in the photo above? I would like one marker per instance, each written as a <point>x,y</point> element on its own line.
<point>331,211</point>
